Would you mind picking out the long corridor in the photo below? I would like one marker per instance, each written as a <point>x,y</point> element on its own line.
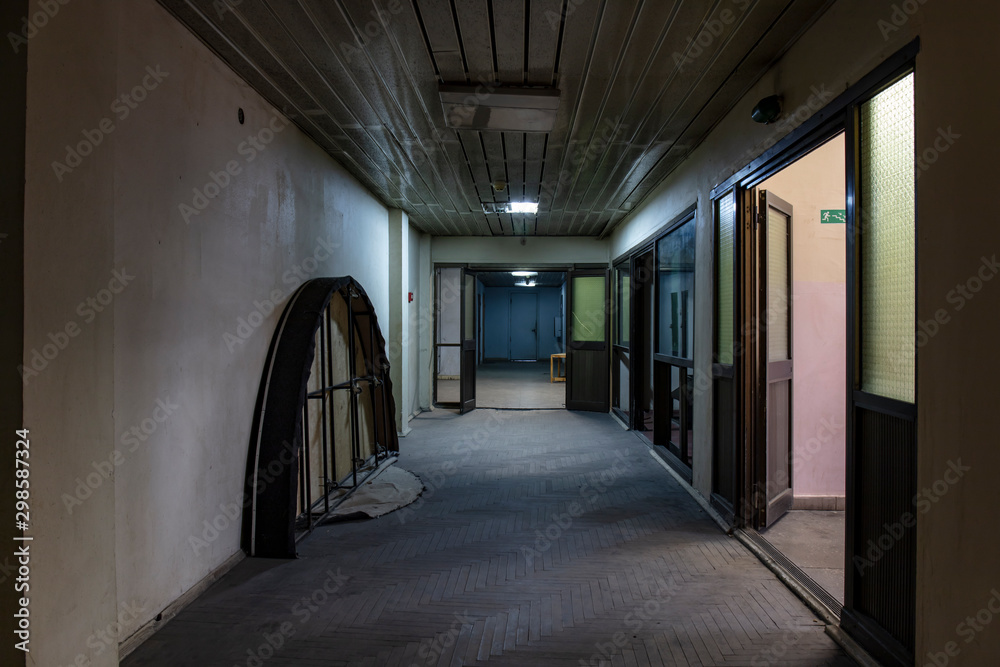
<point>542,538</point>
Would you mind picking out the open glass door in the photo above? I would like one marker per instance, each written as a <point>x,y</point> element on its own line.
<point>468,337</point>
<point>588,349</point>
<point>774,455</point>
<point>726,455</point>
<point>621,395</point>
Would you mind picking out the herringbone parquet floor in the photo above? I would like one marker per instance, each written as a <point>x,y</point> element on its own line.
<point>543,538</point>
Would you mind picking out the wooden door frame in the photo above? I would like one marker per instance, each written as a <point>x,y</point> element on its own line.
<point>838,116</point>
<point>760,444</point>
<point>584,271</point>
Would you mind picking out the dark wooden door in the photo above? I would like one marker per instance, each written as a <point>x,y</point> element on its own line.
<point>469,355</point>
<point>775,320</point>
<point>588,343</point>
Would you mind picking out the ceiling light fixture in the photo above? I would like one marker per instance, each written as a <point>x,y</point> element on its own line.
<point>524,274</point>
<point>495,107</point>
<point>523,207</point>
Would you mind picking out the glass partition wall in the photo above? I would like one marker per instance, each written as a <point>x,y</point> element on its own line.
<point>653,360</point>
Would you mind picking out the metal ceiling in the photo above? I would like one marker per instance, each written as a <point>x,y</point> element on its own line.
<point>641,83</point>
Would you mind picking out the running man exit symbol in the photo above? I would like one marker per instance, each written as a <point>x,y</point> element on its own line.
<point>833,217</point>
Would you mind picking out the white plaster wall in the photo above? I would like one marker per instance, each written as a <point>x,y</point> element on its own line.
<point>69,407</point>
<point>164,338</point>
<point>414,320</point>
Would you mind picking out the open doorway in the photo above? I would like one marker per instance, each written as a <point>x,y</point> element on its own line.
<point>523,339</point>
<point>802,295</point>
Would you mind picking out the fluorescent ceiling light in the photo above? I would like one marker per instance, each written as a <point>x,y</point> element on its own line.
<point>528,208</point>
<point>523,274</point>
<point>510,108</point>
<point>524,207</point>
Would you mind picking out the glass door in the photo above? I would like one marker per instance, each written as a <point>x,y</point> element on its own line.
<point>588,348</point>
<point>775,316</point>
<point>621,393</point>
<point>468,338</point>
<point>674,333</point>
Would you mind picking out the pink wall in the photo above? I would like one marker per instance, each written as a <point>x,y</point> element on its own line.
<point>819,271</point>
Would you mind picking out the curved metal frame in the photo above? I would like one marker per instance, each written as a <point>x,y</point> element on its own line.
<point>275,481</point>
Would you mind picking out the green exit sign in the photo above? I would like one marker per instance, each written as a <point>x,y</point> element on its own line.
<point>833,217</point>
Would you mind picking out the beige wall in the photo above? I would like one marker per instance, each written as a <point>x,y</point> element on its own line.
<point>957,542</point>
<point>169,337</point>
<point>815,183</point>
<point>531,253</point>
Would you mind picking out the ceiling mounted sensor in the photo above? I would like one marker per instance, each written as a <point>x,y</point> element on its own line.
<point>767,110</point>
<point>507,109</point>
<point>499,186</point>
<point>528,208</point>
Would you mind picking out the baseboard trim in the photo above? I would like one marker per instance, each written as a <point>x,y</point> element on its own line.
<point>152,627</point>
<point>820,503</point>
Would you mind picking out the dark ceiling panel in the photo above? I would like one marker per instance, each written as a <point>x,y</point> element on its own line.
<point>638,93</point>
<point>509,40</point>
<point>477,38</point>
<point>544,28</point>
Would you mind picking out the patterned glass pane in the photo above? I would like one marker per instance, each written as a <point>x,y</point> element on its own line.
<point>778,344</point>
<point>588,309</point>
<point>886,233</point>
<point>724,280</point>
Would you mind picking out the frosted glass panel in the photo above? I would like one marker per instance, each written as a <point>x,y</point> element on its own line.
<point>449,305</point>
<point>727,244</point>
<point>778,348</point>
<point>588,309</point>
<point>886,226</point>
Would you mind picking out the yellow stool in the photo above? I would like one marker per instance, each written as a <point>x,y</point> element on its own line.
<point>554,362</point>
